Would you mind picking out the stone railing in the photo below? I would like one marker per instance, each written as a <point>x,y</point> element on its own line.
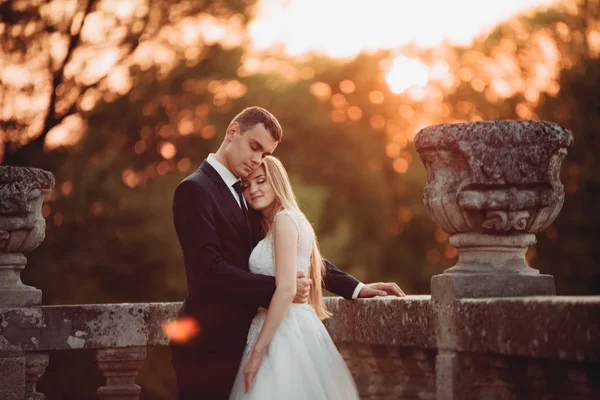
<point>491,329</point>
<point>500,348</point>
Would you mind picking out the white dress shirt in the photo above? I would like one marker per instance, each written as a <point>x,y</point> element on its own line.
<point>230,179</point>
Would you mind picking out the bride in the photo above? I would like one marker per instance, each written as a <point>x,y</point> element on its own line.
<point>289,353</point>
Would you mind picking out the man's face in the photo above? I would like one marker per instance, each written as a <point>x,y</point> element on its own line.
<point>245,151</point>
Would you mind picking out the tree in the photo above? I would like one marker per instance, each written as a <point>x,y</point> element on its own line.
<point>63,57</point>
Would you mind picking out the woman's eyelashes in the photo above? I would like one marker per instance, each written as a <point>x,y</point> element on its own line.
<point>258,182</point>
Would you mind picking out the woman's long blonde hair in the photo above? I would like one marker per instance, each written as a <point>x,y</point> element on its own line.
<point>286,200</point>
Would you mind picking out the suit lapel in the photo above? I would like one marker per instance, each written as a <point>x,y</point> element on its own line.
<point>255,223</point>
<point>235,213</point>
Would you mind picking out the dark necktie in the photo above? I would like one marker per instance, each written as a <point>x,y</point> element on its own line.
<point>238,188</point>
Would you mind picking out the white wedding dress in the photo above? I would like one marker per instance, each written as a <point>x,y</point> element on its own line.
<point>301,362</point>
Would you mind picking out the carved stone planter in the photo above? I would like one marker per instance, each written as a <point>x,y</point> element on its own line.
<point>492,185</point>
<point>22,229</point>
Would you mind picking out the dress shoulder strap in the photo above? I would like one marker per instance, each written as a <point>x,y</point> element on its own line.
<point>294,216</point>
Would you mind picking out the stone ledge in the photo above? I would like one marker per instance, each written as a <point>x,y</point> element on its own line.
<point>566,328</point>
<point>558,327</point>
<point>401,322</point>
<point>405,322</point>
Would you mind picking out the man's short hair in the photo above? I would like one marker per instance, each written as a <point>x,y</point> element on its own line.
<point>257,115</point>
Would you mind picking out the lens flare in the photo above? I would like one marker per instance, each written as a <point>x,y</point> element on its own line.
<point>181,330</point>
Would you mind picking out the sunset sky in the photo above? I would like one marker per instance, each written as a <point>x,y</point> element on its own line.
<point>342,28</point>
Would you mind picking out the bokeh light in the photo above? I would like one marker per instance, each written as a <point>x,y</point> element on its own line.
<point>181,330</point>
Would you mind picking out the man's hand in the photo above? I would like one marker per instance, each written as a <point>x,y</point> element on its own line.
<point>302,288</point>
<point>380,289</point>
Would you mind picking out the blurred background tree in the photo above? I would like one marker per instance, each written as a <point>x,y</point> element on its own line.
<point>122,100</point>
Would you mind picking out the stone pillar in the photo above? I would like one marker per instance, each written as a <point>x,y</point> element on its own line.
<point>491,185</point>
<point>35,366</point>
<point>120,367</point>
<point>22,229</point>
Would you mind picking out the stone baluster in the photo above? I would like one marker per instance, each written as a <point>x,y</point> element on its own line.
<point>120,367</point>
<point>492,185</point>
<point>35,366</point>
<point>22,229</point>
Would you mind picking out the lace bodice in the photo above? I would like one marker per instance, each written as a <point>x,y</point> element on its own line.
<point>262,259</point>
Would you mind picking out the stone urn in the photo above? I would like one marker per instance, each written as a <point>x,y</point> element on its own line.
<point>22,229</point>
<point>492,185</point>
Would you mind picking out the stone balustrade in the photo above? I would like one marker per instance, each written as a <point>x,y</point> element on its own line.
<point>492,328</point>
<point>543,346</point>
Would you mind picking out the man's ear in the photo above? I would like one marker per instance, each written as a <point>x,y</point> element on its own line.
<point>232,129</point>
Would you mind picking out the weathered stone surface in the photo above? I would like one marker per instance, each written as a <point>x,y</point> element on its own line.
<point>390,372</point>
<point>551,327</point>
<point>35,366</point>
<point>490,376</point>
<point>407,321</point>
<point>12,377</point>
<point>493,176</point>
<point>22,229</point>
<point>120,368</point>
<point>18,185</point>
<point>492,185</point>
<point>448,288</point>
<point>21,329</point>
<point>390,344</point>
<point>557,327</point>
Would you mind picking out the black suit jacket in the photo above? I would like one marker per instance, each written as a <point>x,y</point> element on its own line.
<point>221,293</point>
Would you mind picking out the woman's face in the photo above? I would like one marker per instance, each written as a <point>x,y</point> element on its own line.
<point>257,191</point>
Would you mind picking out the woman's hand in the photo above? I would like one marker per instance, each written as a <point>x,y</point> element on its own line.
<point>252,367</point>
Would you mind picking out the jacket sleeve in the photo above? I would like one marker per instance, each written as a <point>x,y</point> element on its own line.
<point>339,282</point>
<point>206,268</point>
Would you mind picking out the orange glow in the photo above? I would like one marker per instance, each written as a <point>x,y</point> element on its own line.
<point>66,188</point>
<point>208,132</point>
<point>377,121</point>
<point>184,164</point>
<point>392,150</point>
<point>185,127</point>
<point>338,116</point>
<point>58,219</point>
<point>450,252</point>
<point>440,236</point>
<point>400,165</point>
<point>68,133</point>
<point>167,150</point>
<point>355,113</point>
<point>181,330</point>
<point>130,178</point>
<point>376,97</point>
<point>338,100</point>
<point>163,168</point>
<point>46,210</point>
<point>321,90</point>
<point>347,86</point>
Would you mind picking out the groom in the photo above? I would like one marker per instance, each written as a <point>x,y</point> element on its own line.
<point>217,233</point>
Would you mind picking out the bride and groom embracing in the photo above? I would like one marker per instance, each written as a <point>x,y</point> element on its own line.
<point>254,278</point>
